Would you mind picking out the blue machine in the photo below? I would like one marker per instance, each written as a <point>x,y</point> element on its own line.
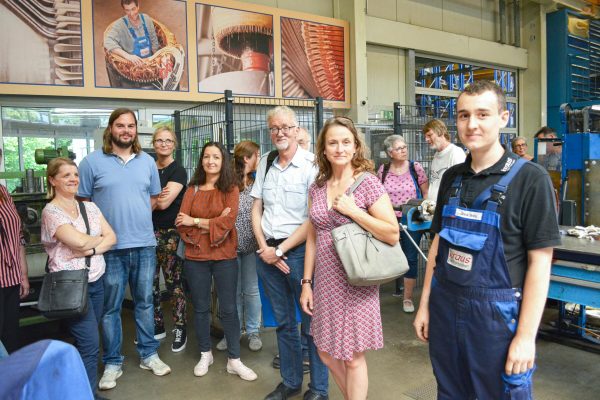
<point>575,278</point>
<point>580,131</point>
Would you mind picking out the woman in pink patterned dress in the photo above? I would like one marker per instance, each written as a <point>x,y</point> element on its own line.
<point>346,319</point>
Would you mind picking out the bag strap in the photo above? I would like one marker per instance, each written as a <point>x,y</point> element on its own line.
<point>83,212</point>
<point>356,183</point>
<point>415,178</point>
<point>270,159</point>
<point>386,169</point>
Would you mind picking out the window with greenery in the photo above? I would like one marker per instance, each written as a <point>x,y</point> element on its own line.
<point>25,129</point>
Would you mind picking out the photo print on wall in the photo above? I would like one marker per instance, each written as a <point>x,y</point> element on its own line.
<point>235,51</point>
<point>137,45</point>
<point>41,42</point>
<point>312,60</point>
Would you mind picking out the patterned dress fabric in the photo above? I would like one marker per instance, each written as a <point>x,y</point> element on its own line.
<point>346,319</point>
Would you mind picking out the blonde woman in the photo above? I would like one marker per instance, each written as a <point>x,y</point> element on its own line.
<point>173,179</point>
<point>67,244</point>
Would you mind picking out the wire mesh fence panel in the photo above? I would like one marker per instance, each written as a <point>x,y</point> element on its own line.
<point>248,121</point>
<point>196,126</point>
<point>250,118</point>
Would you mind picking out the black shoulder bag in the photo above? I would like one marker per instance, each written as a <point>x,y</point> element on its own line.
<point>64,294</point>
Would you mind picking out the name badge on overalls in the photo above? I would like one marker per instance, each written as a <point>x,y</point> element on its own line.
<point>457,258</point>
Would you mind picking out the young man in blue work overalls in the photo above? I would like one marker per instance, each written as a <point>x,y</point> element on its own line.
<point>489,264</point>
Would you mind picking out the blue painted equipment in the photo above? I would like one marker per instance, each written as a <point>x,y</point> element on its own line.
<point>575,278</point>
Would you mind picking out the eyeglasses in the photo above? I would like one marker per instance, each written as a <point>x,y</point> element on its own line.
<point>521,145</point>
<point>400,148</point>
<point>286,129</point>
<point>160,142</point>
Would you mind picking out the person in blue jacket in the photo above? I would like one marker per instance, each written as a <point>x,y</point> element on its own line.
<point>488,268</point>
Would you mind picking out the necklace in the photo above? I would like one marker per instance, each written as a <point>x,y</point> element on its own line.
<point>66,206</point>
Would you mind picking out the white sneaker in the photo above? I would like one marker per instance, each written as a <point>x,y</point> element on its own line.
<point>408,306</point>
<point>109,378</point>
<point>222,345</point>
<point>155,365</point>
<point>236,367</point>
<point>206,360</point>
<point>254,342</point>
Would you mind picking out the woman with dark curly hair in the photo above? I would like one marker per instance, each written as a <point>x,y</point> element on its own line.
<point>206,222</point>
<point>346,320</point>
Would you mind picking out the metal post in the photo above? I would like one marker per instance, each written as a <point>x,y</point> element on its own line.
<point>397,119</point>
<point>517,25</point>
<point>318,114</point>
<point>229,120</point>
<point>502,13</point>
<point>177,127</point>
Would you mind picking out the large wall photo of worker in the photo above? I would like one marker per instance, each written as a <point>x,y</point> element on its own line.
<point>312,60</point>
<point>141,44</point>
<point>41,42</point>
<point>235,51</point>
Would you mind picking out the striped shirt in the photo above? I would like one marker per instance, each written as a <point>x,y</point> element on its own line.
<point>11,239</point>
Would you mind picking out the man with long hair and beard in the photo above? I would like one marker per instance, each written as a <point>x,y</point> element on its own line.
<point>123,181</point>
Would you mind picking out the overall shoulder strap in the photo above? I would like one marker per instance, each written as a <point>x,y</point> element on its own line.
<point>494,195</point>
<point>455,187</point>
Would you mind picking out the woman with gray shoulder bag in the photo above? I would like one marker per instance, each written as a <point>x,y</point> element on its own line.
<point>75,235</point>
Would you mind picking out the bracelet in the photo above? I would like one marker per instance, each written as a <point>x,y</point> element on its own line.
<point>303,281</point>
<point>93,251</point>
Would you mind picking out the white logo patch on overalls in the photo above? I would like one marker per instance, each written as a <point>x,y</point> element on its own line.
<point>472,215</point>
<point>460,259</point>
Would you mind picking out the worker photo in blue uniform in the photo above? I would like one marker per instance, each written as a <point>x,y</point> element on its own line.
<point>488,268</point>
<point>140,51</point>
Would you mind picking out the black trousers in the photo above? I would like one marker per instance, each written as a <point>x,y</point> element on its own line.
<point>9,317</point>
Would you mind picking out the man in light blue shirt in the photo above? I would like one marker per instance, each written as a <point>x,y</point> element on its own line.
<point>279,222</point>
<point>123,182</point>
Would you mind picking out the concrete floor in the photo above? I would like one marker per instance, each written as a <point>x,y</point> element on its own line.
<point>401,370</point>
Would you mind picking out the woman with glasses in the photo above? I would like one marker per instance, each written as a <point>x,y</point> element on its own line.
<point>173,180</point>
<point>403,180</point>
<point>206,222</point>
<point>519,147</point>
<point>346,319</point>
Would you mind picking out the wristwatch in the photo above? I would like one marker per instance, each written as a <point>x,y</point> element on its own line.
<point>196,221</point>
<point>303,281</point>
<point>278,252</point>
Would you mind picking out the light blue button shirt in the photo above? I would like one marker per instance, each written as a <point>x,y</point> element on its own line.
<point>284,193</point>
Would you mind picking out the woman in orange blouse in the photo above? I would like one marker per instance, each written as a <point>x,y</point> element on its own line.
<point>206,223</point>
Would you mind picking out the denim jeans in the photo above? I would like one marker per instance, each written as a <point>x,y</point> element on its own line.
<point>136,266</point>
<point>284,292</point>
<point>199,276</point>
<point>85,331</point>
<point>248,298</point>
<point>411,252</point>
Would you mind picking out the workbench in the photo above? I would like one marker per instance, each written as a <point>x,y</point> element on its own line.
<point>575,278</point>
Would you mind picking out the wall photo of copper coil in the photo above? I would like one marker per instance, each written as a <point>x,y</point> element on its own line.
<point>138,44</point>
<point>235,51</point>
<point>41,42</point>
<point>312,60</point>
